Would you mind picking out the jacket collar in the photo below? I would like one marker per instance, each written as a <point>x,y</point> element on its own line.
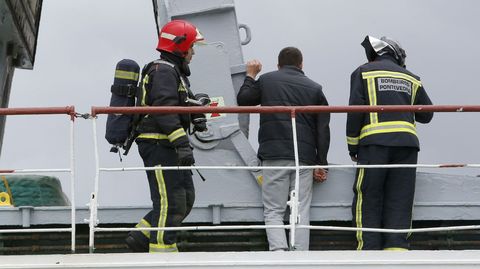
<point>386,57</point>
<point>291,68</point>
<point>176,60</point>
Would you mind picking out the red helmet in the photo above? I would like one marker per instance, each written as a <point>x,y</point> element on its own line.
<point>177,37</point>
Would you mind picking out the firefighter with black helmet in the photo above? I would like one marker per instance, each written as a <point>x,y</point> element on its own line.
<point>163,140</point>
<point>383,198</point>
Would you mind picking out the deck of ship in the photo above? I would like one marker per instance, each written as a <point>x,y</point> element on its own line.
<point>298,259</point>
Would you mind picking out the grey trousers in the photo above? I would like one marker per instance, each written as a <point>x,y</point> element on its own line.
<point>276,188</point>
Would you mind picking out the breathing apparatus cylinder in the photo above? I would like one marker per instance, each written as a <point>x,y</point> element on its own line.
<point>124,91</point>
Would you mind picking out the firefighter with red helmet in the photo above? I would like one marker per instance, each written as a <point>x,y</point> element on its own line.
<point>383,198</point>
<point>163,140</point>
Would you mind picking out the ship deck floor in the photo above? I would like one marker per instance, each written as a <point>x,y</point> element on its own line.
<point>265,259</point>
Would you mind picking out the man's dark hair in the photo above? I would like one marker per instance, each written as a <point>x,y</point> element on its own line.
<point>290,56</point>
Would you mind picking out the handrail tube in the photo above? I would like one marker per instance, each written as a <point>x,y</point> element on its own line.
<point>192,228</point>
<point>330,166</point>
<point>282,109</point>
<point>288,226</point>
<point>384,230</point>
<point>27,171</point>
<point>39,230</point>
<point>68,110</point>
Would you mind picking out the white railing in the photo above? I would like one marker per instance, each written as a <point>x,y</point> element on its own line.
<point>293,203</point>
<point>70,111</point>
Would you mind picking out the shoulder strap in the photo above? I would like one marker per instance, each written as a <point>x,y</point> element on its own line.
<point>124,90</point>
<point>151,66</point>
<point>154,65</point>
<point>163,62</point>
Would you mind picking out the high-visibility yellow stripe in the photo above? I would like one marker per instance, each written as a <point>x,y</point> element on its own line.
<point>387,127</point>
<point>176,134</point>
<point>153,136</point>
<point>163,205</point>
<point>414,93</point>
<point>172,137</point>
<point>358,208</point>
<point>160,248</point>
<point>396,249</point>
<point>376,74</point>
<point>353,140</point>
<point>183,85</point>
<point>392,130</point>
<point>144,224</point>
<point>144,90</point>
<point>126,75</point>
<point>260,180</point>
<point>372,97</point>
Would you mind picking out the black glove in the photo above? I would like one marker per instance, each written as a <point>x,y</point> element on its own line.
<point>353,156</point>
<point>184,151</point>
<point>199,124</point>
<point>203,98</point>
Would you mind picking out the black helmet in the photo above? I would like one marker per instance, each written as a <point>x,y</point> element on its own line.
<point>375,47</point>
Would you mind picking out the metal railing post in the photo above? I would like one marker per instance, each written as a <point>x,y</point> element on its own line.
<point>72,181</point>
<point>293,203</point>
<point>93,199</point>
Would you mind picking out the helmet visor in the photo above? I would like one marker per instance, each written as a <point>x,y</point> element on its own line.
<point>199,39</point>
<point>377,44</point>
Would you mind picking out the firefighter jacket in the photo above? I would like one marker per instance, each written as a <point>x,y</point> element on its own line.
<point>384,82</point>
<point>288,87</point>
<point>165,84</point>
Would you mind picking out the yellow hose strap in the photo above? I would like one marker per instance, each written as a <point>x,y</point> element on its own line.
<point>5,199</point>
<point>9,191</point>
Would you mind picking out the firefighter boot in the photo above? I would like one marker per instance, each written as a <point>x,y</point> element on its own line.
<point>137,242</point>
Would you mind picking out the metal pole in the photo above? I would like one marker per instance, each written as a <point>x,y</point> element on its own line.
<point>281,109</point>
<point>72,181</point>
<point>294,194</point>
<point>330,166</point>
<point>93,199</point>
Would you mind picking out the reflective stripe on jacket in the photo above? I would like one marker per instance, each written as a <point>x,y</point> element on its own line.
<point>384,82</point>
<point>162,86</point>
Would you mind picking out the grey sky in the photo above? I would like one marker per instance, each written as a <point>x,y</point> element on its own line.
<point>81,41</point>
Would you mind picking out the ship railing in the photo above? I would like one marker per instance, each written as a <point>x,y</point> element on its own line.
<point>70,112</point>
<point>293,202</point>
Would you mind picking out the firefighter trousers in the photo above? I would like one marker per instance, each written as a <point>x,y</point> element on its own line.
<point>172,193</point>
<point>383,197</point>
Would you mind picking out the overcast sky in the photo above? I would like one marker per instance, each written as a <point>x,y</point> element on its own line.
<point>81,41</point>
